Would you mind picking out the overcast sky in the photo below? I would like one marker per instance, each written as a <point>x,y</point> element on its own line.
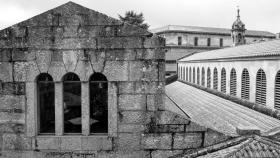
<point>256,14</point>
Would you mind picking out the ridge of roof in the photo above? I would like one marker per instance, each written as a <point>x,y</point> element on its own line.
<point>261,49</point>
<point>209,30</point>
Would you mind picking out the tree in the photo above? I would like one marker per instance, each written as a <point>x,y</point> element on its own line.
<point>133,18</point>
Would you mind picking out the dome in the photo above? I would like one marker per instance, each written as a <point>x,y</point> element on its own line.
<point>238,24</point>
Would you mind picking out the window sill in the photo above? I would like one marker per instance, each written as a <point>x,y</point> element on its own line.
<point>73,142</point>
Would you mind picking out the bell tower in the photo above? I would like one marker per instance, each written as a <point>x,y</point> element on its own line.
<point>238,31</point>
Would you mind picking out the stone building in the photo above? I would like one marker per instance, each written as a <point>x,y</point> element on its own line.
<point>77,83</point>
<point>185,40</point>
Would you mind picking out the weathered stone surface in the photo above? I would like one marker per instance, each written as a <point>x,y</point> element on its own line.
<point>213,137</point>
<point>11,117</point>
<point>6,69</point>
<point>169,128</point>
<point>143,71</point>
<point>57,70</point>
<point>142,87</point>
<point>127,141</point>
<point>70,59</point>
<point>155,102</point>
<point>132,102</point>
<point>187,140</point>
<point>151,54</point>
<point>131,128</point>
<point>12,102</point>
<point>133,117</point>
<point>23,55</point>
<point>12,128</point>
<point>97,143</point>
<point>121,54</point>
<point>112,109</point>
<point>119,42</point>
<point>5,55</point>
<point>167,117</point>
<point>165,153</point>
<point>157,141</point>
<point>116,70</point>
<point>71,143</point>
<point>47,143</point>
<point>124,154</point>
<point>154,42</point>
<point>43,59</point>
<point>193,127</point>
<point>16,142</point>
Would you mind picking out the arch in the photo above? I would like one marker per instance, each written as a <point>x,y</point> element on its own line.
<point>187,74</point>
<point>190,74</point>
<point>245,84</point>
<point>203,77</point>
<point>198,76</point>
<point>46,104</point>
<point>98,89</point>
<point>277,91</point>
<point>233,82</point>
<point>215,79</point>
<point>261,87</point>
<point>72,103</point>
<point>223,81</point>
<point>208,78</point>
<point>193,74</point>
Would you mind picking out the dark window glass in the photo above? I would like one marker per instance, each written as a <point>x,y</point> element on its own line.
<point>72,103</point>
<point>221,42</point>
<point>179,40</point>
<point>46,113</point>
<point>98,103</point>
<point>208,42</point>
<point>195,41</point>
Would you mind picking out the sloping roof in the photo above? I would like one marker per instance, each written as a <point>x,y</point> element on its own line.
<point>249,146</point>
<point>217,113</point>
<point>210,30</point>
<point>262,49</point>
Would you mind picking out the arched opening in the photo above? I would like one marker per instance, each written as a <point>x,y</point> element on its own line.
<point>208,78</point>
<point>198,76</point>
<point>46,108</point>
<point>245,85</point>
<point>233,82</point>
<point>261,87</point>
<point>193,75</point>
<point>223,81</point>
<point>277,91</point>
<point>72,103</point>
<point>203,77</point>
<point>215,79</point>
<point>98,103</point>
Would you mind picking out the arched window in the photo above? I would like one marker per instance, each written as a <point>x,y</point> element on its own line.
<point>193,75</point>
<point>245,85</point>
<point>215,79</point>
<point>98,103</point>
<point>233,82</point>
<point>198,76</point>
<point>223,81</point>
<point>187,74</point>
<point>261,87</point>
<point>72,103</point>
<point>46,109</point>
<point>203,77</point>
<point>277,91</point>
<point>190,74</point>
<point>208,78</point>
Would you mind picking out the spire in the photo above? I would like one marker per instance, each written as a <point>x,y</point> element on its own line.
<point>238,10</point>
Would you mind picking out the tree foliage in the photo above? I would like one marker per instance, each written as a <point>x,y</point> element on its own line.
<point>133,18</point>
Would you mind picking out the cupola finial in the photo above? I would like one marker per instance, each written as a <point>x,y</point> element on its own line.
<point>238,12</point>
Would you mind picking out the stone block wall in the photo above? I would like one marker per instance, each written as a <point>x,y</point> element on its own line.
<point>72,38</point>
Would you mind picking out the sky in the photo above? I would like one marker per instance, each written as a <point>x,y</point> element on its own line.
<point>256,14</point>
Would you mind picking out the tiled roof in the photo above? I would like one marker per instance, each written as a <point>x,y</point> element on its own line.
<point>268,48</point>
<point>209,30</point>
<point>205,109</point>
<point>241,147</point>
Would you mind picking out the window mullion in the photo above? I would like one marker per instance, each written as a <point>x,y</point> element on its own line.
<point>59,109</point>
<point>85,109</point>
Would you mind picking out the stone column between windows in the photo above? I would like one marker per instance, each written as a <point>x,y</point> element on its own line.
<point>59,125</point>
<point>85,109</point>
<point>31,111</point>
